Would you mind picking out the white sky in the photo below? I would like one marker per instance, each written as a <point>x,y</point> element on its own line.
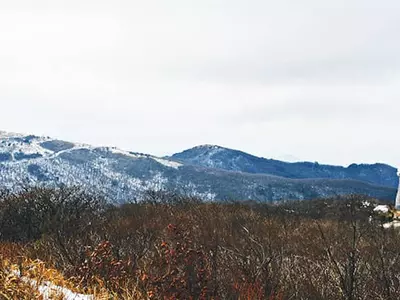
<point>319,80</point>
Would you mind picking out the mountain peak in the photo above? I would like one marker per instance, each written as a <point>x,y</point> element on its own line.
<point>208,147</point>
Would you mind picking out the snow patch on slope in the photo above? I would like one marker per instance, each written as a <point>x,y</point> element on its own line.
<point>168,163</point>
<point>125,153</point>
<point>164,162</point>
<point>13,144</point>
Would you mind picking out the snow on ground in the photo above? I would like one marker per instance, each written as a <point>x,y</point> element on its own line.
<point>12,143</point>
<point>168,163</point>
<point>382,209</point>
<point>393,224</point>
<point>164,162</point>
<point>126,153</point>
<point>366,203</point>
<point>47,289</point>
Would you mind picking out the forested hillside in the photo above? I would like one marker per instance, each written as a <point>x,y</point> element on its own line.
<point>173,247</point>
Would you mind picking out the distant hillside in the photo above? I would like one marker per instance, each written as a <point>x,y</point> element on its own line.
<point>234,160</point>
<point>123,176</point>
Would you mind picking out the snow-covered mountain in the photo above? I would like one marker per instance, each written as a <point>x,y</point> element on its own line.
<point>121,176</point>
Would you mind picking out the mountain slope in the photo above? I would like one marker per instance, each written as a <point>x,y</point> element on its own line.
<point>234,160</point>
<point>120,175</point>
<point>124,176</point>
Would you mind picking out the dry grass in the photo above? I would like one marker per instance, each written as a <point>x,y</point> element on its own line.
<point>21,277</point>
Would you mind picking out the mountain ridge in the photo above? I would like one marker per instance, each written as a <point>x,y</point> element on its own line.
<point>236,160</point>
<point>123,176</point>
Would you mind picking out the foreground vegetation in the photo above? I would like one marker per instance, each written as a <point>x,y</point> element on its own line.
<point>172,247</point>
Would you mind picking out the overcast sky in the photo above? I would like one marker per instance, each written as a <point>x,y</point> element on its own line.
<point>317,80</point>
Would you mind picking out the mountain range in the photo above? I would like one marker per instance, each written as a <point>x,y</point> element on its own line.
<point>209,172</point>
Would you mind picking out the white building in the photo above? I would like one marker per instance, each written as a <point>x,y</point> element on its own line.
<point>397,204</point>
